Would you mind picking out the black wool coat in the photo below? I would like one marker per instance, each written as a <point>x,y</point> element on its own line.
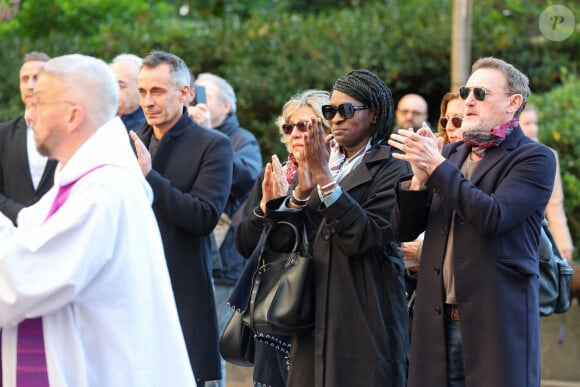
<point>361,335</point>
<point>191,177</point>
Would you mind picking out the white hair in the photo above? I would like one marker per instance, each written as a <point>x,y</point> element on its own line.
<point>87,76</point>
<point>128,58</point>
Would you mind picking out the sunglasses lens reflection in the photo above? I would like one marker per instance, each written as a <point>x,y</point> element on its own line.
<point>455,121</point>
<point>328,111</point>
<point>346,111</point>
<point>478,93</point>
<point>301,126</point>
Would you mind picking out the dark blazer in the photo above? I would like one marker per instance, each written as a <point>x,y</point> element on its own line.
<point>360,336</point>
<point>191,178</point>
<point>497,220</point>
<point>16,188</point>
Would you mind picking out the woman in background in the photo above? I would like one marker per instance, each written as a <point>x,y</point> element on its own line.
<point>271,359</point>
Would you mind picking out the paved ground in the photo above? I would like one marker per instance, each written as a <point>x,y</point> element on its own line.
<point>560,361</point>
<point>239,376</point>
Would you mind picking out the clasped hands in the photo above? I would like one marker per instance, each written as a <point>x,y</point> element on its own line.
<point>312,159</point>
<point>422,149</point>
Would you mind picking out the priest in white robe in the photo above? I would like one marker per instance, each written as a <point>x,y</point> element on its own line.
<point>85,264</point>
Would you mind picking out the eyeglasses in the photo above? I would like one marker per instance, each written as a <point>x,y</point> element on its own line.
<point>288,128</point>
<point>346,110</point>
<point>414,113</point>
<point>478,92</point>
<point>35,104</point>
<point>455,121</point>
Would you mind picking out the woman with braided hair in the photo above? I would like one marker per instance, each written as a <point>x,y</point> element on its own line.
<point>344,195</point>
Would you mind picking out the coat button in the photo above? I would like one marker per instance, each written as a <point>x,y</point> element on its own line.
<point>437,270</point>
<point>437,309</point>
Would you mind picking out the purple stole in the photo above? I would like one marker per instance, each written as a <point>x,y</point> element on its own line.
<point>31,368</point>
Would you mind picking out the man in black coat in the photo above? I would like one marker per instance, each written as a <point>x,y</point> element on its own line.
<point>189,168</point>
<point>247,164</point>
<point>481,202</point>
<point>25,175</point>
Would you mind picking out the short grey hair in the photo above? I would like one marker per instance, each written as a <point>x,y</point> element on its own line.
<point>35,56</point>
<point>516,81</point>
<point>179,71</point>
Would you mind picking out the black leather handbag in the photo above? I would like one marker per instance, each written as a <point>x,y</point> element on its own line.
<point>237,342</point>
<point>282,294</point>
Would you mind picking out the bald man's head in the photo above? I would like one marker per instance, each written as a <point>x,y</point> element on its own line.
<point>411,112</point>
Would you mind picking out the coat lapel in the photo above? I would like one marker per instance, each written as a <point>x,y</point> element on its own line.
<point>20,143</point>
<point>168,141</point>
<point>360,175</point>
<point>459,153</point>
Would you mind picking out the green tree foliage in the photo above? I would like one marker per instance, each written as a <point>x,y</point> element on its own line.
<point>270,50</point>
<point>559,117</point>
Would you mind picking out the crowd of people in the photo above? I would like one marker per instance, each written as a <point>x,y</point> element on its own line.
<point>129,208</point>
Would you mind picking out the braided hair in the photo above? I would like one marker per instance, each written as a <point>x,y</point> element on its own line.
<point>369,89</point>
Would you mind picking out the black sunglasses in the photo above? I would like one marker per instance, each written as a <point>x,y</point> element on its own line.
<point>287,128</point>
<point>478,92</point>
<point>455,121</point>
<point>346,110</point>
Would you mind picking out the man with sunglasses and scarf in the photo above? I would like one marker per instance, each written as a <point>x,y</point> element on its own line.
<point>481,203</point>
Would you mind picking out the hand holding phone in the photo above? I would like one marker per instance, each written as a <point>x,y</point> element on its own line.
<point>199,95</point>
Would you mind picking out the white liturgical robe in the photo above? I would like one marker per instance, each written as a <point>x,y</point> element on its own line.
<point>95,272</point>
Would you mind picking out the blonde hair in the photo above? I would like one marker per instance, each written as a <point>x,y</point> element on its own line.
<point>311,98</point>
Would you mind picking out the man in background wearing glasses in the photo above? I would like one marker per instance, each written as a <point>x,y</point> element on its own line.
<point>481,203</point>
<point>411,112</point>
<point>25,175</point>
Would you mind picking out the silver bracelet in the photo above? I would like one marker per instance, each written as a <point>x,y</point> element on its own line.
<point>326,186</point>
<point>299,202</point>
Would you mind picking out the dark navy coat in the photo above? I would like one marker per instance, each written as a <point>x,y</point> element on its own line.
<point>498,215</point>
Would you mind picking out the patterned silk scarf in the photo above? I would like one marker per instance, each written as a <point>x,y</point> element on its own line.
<point>480,141</point>
<point>291,167</point>
<point>339,164</point>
